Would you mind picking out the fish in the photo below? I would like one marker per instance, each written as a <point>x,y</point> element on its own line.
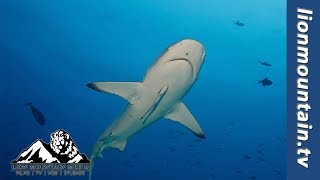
<point>260,144</point>
<point>193,145</point>
<point>239,23</point>
<point>246,157</point>
<point>172,149</point>
<point>37,115</point>
<point>180,133</point>
<point>265,63</point>
<point>253,177</point>
<point>134,155</point>
<point>194,154</point>
<point>196,163</point>
<point>229,128</point>
<point>212,176</point>
<point>265,82</point>
<point>159,95</point>
<point>261,159</point>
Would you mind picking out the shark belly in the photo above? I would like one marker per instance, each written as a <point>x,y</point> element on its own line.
<point>178,75</point>
<point>132,120</point>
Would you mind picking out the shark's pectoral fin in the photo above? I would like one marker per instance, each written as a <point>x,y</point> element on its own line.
<point>119,144</point>
<point>182,115</point>
<point>126,90</point>
<point>100,156</point>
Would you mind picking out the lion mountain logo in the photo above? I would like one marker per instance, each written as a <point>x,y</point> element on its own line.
<point>61,151</point>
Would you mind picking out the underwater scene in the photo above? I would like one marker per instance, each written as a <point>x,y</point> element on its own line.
<point>170,89</point>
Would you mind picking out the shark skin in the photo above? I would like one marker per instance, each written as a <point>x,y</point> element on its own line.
<point>158,96</point>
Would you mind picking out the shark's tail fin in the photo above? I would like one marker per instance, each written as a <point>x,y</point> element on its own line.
<point>91,167</point>
<point>28,104</point>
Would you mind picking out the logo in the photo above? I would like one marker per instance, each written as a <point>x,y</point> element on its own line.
<point>59,157</point>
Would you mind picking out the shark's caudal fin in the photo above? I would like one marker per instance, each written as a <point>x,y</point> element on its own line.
<point>119,144</point>
<point>126,90</point>
<point>182,115</point>
<point>91,167</point>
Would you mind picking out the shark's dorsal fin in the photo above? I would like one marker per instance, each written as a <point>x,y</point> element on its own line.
<point>181,114</point>
<point>119,144</point>
<point>126,90</point>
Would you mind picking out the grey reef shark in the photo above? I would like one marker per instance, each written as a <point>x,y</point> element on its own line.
<point>158,96</point>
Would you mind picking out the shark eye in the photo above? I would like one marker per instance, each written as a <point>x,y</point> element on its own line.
<point>187,54</point>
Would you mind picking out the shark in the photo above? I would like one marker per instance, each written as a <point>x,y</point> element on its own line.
<point>159,95</point>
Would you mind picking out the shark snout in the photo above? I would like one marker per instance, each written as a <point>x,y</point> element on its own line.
<point>194,44</point>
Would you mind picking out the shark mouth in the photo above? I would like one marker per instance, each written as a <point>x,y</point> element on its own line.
<point>186,60</point>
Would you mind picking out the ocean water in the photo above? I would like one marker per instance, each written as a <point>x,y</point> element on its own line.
<point>50,50</point>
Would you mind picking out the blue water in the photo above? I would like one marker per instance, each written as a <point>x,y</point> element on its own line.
<point>51,49</point>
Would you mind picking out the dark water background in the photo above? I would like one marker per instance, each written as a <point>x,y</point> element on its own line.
<point>51,49</point>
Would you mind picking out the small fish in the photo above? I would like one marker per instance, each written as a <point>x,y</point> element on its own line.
<point>172,149</point>
<point>229,127</point>
<point>259,151</point>
<point>228,132</point>
<point>265,82</point>
<point>253,177</point>
<point>264,63</point>
<point>246,157</point>
<point>238,172</point>
<point>37,115</point>
<point>195,163</point>
<point>212,176</point>
<point>277,172</point>
<point>153,172</point>
<point>239,23</point>
<point>219,148</point>
<point>260,145</point>
<point>190,145</point>
<point>133,156</point>
<point>131,166</point>
<point>194,154</point>
<point>181,133</point>
<point>231,123</point>
<point>261,159</point>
